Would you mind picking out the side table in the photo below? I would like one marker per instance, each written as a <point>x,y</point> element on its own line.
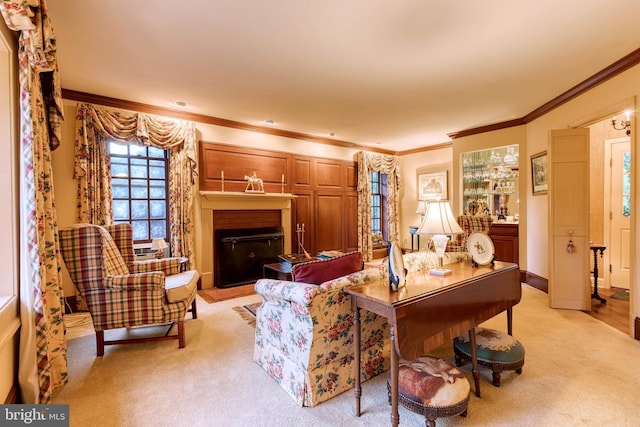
<point>595,249</point>
<point>277,270</point>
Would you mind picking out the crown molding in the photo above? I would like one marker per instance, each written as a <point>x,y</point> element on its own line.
<point>586,85</point>
<point>73,95</point>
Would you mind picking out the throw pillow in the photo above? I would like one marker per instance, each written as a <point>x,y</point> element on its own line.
<point>318,272</point>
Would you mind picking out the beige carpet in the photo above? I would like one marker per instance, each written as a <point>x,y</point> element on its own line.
<point>578,372</point>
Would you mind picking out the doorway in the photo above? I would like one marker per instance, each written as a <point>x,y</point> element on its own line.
<point>610,222</point>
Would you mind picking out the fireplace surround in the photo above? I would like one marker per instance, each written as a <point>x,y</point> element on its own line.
<point>236,204</point>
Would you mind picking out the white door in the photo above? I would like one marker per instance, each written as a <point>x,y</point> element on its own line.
<point>619,223</point>
<point>568,192</point>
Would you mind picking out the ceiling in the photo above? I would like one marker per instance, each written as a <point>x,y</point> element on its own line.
<point>396,75</point>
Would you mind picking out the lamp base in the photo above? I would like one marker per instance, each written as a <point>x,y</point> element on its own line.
<point>439,271</point>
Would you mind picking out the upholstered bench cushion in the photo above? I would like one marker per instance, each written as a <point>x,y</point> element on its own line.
<point>492,346</point>
<point>179,287</point>
<point>432,382</point>
<point>318,272</point>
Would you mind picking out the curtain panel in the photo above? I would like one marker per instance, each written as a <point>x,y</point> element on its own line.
<point>95,126</point>
<point>389,165</point>
<point>43,349</point>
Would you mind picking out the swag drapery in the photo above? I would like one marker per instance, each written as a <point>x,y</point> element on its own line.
<point>95,126</point>
<point>43,349</point>
<point>389,165</point>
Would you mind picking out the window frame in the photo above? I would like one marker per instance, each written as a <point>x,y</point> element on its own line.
<point>136,160</point>
<point>378,184</point>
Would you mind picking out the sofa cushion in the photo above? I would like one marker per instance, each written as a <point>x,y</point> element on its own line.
<point>181,286</point>
<point>318,272</point>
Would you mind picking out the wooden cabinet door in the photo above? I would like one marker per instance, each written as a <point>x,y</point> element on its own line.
<point>568,179</point>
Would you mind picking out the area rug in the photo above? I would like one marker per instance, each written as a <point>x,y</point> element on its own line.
<point>620,295</point>
<point>248,312</point>
<point>212,295</point>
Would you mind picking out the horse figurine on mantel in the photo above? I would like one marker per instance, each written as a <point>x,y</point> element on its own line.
<point>255,183</point>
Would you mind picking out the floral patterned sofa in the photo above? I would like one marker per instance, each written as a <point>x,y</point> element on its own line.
<point>304,332</point>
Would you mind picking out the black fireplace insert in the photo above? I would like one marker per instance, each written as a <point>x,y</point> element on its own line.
<point>240,254</point>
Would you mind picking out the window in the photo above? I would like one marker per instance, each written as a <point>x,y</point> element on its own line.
<point>626,183</point>
<point>379,206</point>
<point>139,189</point>
<point>9,182</point>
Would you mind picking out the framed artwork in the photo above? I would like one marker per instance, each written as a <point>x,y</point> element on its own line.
<point>432,186</point>
<point>539,173</point>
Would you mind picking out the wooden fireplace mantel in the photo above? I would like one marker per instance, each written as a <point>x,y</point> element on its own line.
<point>215,196</point>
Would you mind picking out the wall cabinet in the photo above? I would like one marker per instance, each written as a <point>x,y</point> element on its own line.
<point>505,241</point>
<point>490,181</point>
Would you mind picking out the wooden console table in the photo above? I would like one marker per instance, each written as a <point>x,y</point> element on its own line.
<point>431,310</point>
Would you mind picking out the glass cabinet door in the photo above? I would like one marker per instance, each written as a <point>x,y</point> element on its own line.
<point>490,182</point>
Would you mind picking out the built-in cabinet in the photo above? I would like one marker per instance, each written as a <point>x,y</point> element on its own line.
<point>325,197</point>
<point>490,182</point>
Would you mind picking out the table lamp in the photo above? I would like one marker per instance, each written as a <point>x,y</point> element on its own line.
<point>438,222</point>
<point>159,245</point>
<point>422,208</point>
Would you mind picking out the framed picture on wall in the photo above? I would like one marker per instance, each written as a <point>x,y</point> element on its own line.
<point>539,173</point>
<point>432,186</point>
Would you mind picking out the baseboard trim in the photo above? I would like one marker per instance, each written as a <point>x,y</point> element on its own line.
<point>536,281</point>
<point>14,395</point>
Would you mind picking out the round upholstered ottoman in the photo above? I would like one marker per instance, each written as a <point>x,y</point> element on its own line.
<point>431,387</point>
<point>496,350</point>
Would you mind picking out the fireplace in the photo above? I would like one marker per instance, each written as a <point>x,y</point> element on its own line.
<point>227,210</point>
<point>240,254</point>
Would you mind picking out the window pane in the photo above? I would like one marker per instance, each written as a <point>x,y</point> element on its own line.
<point>158,209</point>
<point>119,160</point>
<point>119,170</point>
<point>139,209</point>
<point>375,212</point>
<point>140,230</point>
<point>139,189</point>
<point>120,209</point>
<point>120,191</point>
<point>156,152</point>
<point>156,172</point>
<point>158,229</point>
<point>138,171</point>
<point>116,148</point>
<point>137,150</point>
<point>157,190</point>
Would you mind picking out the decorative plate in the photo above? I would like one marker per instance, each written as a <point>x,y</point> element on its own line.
<point>480,246</point>
<point>396,266</point>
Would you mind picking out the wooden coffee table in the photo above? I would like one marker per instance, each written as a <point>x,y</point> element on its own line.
<point>277,270</point>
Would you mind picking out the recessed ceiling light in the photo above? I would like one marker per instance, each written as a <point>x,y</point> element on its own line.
<point>332,134</point>
<point>181,104</point>
<point>268,121</point>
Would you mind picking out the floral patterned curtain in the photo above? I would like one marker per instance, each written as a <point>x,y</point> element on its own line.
<point>43,349</point>
<point>95,126</point>
<point>389,165</point>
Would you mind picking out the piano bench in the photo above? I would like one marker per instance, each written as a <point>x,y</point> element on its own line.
<point>431,387</point>
<point>496,350</point>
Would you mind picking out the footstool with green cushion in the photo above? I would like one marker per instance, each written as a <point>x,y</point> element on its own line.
<point>431,387</point>
<point>496,350</point>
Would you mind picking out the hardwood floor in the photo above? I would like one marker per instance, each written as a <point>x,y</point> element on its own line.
<point>614,313</point>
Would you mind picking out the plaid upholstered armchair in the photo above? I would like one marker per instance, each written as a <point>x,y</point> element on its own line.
<point>120,292</point>
<point>469,224</point>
